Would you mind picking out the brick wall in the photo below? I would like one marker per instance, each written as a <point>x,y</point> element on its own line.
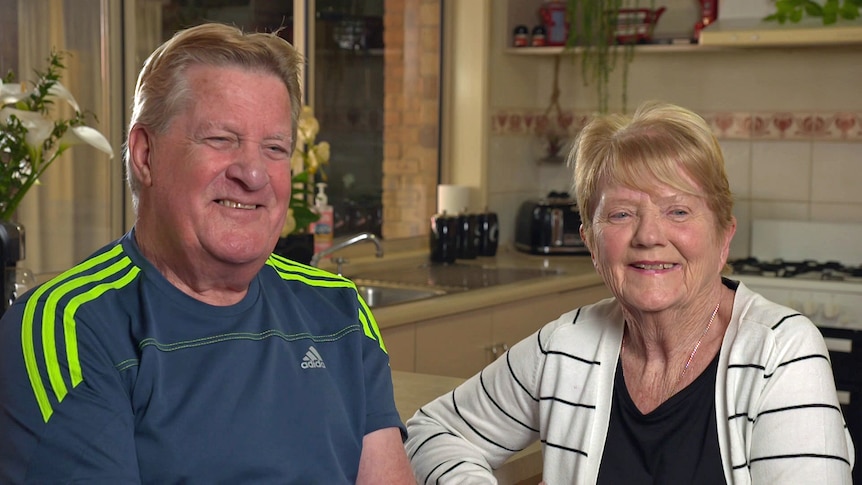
<point>411,106</point>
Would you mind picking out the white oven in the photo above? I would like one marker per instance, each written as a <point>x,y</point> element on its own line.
<point>816,269</point>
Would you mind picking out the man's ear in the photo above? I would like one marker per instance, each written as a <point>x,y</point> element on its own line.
<point>140,149</point>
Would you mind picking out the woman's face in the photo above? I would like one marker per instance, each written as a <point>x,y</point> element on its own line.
<point>659,250</point>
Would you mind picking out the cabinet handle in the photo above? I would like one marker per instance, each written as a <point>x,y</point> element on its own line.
<point>498,349</point>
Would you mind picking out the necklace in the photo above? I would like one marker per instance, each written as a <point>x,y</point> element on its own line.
<point>693,351</point>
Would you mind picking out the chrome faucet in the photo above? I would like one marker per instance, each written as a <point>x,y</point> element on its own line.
<point>350,241</point>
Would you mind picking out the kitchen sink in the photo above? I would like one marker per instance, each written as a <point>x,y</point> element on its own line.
<point>391,286</point>
<point>383,294</point>
<point>452,277</point>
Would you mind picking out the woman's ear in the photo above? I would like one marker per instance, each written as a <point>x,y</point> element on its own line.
<point>727,238</point>
<point>140,149</point>
<point>587,242</point>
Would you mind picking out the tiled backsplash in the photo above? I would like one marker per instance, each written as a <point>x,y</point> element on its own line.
<point>838,126</point>
<point>782,165</point>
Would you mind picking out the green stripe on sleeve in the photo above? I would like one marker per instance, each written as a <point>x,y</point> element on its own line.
<point>69,330</point>
<point>28,345</point>
<point>317,277</point>
<point>49,345</point>
<point>369,323</point>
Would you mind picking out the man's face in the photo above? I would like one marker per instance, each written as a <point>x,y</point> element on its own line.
<point>220,174</point>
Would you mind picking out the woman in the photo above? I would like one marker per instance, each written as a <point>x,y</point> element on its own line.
<point>683,376</point>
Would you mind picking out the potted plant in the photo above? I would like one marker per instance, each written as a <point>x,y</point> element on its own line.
<point>594,29</point>
<point>795,10</point>
<point>33,134</point>
<point>309,158</point>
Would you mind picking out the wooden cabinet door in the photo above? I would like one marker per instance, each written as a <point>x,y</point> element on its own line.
<point>454,345</point>
<point>400,343</point>
<point>515,321</point>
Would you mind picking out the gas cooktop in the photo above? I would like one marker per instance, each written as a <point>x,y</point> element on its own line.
<point>805,269</point>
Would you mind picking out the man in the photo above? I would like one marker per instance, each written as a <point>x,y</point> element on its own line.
<point>185,351</point>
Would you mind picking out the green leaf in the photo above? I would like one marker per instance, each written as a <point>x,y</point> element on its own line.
<point>849,11</point>
<point>303,217</point>
<point>300,178</point>
<point>813,9</point>
<point>796,16</point>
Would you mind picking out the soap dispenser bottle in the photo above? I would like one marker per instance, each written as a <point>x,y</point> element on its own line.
<point>324,225</point>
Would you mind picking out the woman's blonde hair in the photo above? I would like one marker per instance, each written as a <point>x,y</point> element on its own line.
<point>659,143</point>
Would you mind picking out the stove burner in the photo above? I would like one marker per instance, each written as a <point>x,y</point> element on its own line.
<point>806,269</point>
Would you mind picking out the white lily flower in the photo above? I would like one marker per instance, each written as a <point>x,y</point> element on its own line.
<point>11,93</point>
<point>84,134</point>
<point>32,108</point>
<point>60,91</point>
<point>38,127</point>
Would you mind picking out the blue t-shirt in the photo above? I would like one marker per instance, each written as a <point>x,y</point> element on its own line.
<point>110,374</point>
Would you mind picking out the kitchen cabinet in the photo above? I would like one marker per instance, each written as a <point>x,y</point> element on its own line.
<point>461,345</point>
<point>400,344</point>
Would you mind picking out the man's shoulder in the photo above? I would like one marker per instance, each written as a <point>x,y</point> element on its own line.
<point>282,269</point>
<point>109,268</point>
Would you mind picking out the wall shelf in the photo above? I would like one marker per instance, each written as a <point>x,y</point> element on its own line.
<point>644,48</point>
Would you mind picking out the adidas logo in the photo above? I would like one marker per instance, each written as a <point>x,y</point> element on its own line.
<point>312,360</point>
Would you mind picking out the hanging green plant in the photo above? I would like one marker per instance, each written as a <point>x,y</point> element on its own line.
<point>594,27</point>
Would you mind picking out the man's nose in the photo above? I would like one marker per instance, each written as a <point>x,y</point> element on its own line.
<point>249,167</point>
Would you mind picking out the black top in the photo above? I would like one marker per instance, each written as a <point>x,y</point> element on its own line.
<point>675,443</point>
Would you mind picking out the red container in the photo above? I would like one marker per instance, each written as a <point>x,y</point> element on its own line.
<point>553,14</point>
<point>636,25</point>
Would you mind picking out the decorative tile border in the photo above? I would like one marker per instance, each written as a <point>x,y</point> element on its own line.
<point>781,125</point>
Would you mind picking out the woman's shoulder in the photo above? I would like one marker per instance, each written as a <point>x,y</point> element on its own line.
<point>761,317</point>
<point>588,321</point>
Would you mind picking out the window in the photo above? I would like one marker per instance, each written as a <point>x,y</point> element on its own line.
<point>77,206</point>
<point>373,81</point>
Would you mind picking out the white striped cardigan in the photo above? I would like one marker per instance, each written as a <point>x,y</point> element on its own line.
<point>778,416</point>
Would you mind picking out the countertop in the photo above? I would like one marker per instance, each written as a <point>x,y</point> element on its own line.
<point>415,390</point>
<point>564,273</point>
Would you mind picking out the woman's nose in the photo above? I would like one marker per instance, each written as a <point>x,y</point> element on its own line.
<point>649,231</point>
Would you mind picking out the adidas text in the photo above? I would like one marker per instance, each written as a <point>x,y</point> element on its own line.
<point>312,360</point>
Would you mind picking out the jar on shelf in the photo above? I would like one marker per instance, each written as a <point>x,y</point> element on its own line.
<point>521,36</point>
<point>538,37</point>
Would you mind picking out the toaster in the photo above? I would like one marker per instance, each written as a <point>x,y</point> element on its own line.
<point>549,226</point>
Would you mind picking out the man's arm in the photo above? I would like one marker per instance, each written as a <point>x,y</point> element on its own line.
<point>383,459</point>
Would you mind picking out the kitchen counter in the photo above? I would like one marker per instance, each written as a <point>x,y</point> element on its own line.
<point>415,390</point>
<point>564,273</point>
<point>494,303</point>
